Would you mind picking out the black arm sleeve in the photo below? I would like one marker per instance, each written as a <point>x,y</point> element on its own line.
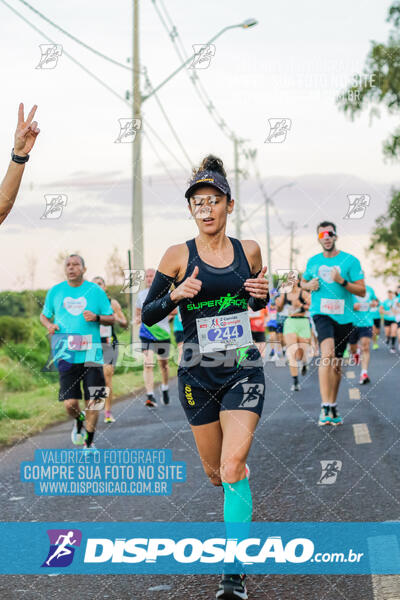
<point>258,303</point>
<point>158,303</point>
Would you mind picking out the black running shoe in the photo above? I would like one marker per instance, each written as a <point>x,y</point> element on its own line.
<point>151,402</point>
<point>165,397</point>
<point>231,587</point>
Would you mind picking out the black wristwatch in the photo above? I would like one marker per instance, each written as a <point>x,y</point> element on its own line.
<point>19,159</point>
<point>344,282</point>
<point>98,318</point>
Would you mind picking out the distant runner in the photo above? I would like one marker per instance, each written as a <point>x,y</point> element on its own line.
<point>362,330</point>
<point>155,339</point>
<point>110,347</point>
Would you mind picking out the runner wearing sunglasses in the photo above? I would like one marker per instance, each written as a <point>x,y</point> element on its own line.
<point>221,378</point>
<point>332,277</point>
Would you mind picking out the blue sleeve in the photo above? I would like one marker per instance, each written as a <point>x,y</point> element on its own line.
<point>355,271</point>
<point>104,303</point>
<point>48,308</point>
<point>307,275</point>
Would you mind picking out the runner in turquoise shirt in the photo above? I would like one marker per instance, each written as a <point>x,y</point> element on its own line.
<point>78,308</point>
<point>389,320</point>
<point>363,321</point>
<point>332,277</point>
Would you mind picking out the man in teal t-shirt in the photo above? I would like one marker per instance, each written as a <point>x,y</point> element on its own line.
<point>363,320</point>
<point>78,307</point>
<point>389,320</point>
<point>332,277</point>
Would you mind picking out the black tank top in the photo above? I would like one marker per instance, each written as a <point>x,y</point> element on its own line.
<point>222,293</point>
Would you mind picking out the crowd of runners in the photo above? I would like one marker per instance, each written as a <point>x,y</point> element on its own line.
<point>210,298</point>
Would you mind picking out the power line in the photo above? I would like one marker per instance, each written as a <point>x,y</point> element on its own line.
<point>183,56</point>
<point>72,37</point>
<point>105,57</point>
<point>90,73</point>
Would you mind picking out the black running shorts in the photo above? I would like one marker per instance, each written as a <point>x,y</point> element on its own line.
<point>71,376</point>
<point>202,405</point>
<point>162,349</point>
<point>377,323</point>
<point>329,328</point>
<point>258,336</point>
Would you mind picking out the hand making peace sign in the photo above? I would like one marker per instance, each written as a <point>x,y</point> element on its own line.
<point>26,132</point>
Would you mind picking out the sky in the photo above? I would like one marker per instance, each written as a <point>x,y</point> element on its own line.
<point>291,66</point>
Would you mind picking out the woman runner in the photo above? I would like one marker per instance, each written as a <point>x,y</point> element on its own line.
<point>221,379</point>
<point>296,330</point>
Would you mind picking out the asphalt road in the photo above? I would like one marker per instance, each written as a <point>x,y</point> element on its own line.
<point>285,470</point>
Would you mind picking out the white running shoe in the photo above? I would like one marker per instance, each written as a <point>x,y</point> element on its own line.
<point>77,438</point>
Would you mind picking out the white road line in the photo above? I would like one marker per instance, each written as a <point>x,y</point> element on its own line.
<point>350,375</point>
<point>354,393</point>
<point>361,434</point>
<point>386,587</point>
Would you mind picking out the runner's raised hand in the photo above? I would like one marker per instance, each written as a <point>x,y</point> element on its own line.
<point>26,132</point>
<point>258,286</point>
<point>188,288</point>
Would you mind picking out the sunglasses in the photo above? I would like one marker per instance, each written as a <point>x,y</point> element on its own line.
<point>201,200</point>
<point>324,234</point>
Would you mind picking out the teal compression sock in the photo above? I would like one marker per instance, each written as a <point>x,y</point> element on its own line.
<point>238,504</point>
<point>238,508</point>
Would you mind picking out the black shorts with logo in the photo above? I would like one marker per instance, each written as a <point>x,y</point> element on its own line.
<point>71,376</point>
<point>202,403</point>
<point>329,328</point>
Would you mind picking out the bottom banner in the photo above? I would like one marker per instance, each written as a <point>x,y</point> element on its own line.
<point>196,548</point>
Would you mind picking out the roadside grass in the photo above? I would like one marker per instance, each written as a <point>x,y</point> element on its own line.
<point>23,414</point>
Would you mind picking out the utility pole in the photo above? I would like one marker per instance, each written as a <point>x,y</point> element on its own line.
<point>238,221</point>
<point>291,227</point>
<point>137,211</point>
<point>268,232</point>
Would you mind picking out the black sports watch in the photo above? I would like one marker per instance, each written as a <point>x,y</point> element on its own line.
<point>98,318</point>
<point>19,159</point>
<point>344,282</point>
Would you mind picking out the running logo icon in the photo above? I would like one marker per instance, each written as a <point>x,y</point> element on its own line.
<point>50,54</point>
<point>358,204</point>
<point>252,394</point>
<point>63,543</point>
<point>127,130</point>
<point>98,395</point>
<point>286,280</point>
<point>55,203</point>
<point>278,130</point>
<point>330,471</point>
<point>203,55</point>
<point>133,278</point>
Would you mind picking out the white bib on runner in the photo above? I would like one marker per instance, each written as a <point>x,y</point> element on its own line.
<point>80,342</point>
<point>221,333</point>
<point>332,306</point>
<point>364,307</point>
